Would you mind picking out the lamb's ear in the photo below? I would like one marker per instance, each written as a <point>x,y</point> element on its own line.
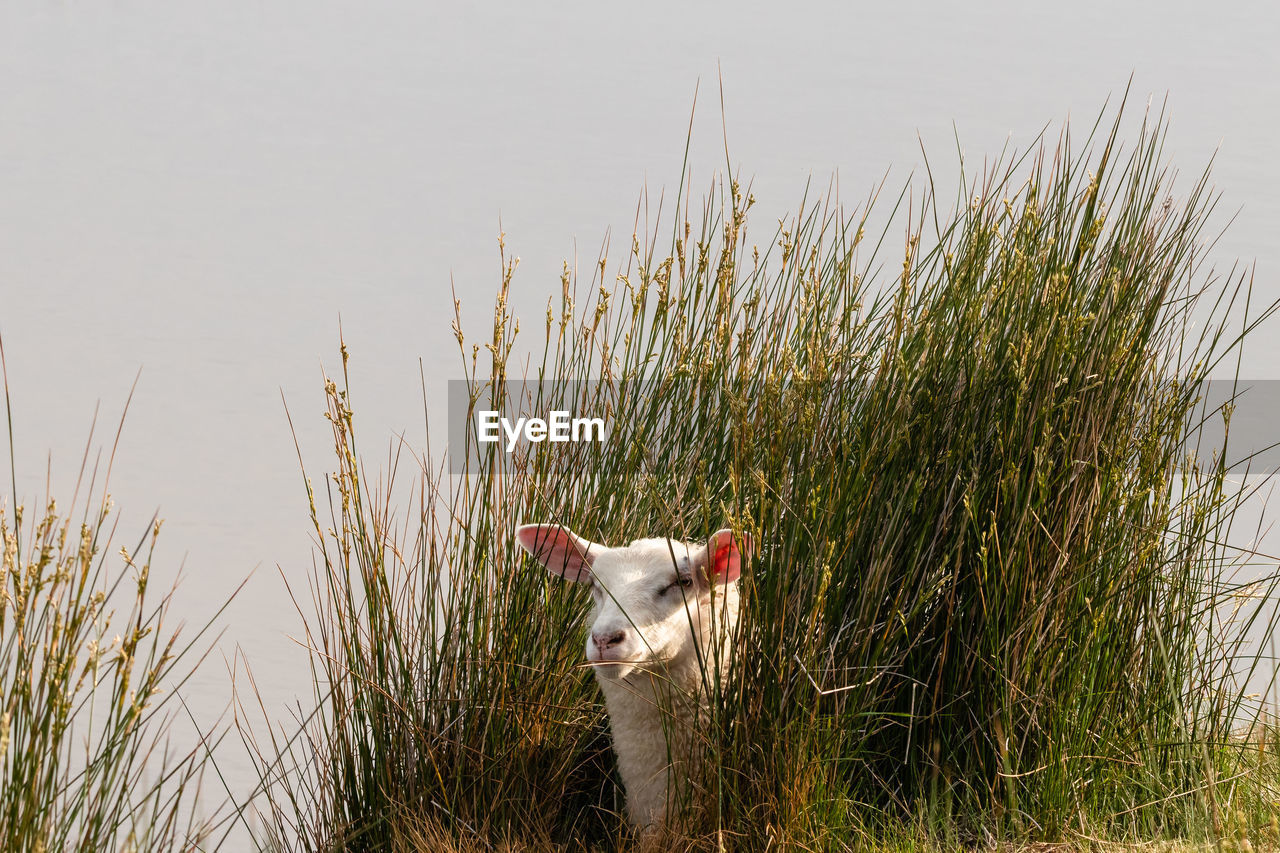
<point>722,560</point>
<point>559,550</point>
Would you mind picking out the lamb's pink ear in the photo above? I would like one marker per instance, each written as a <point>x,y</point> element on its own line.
<point>559,549</point>
<point>724,555</point>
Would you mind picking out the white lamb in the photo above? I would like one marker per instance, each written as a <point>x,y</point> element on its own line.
<point>662,627</point>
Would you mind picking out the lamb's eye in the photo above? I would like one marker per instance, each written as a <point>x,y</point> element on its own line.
<point>684,582</point>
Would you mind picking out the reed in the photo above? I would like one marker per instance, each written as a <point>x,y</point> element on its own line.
<point>91,673</point>
<point>991,597</point>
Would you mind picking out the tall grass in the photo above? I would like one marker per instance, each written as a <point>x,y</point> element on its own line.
<point>90,672</point>
<point>991,584</point>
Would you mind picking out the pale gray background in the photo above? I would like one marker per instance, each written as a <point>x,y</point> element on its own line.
<point>203,189</point>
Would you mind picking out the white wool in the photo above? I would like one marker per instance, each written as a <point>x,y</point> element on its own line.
<point>656,643</point>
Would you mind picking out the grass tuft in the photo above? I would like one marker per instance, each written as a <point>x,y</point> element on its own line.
<point>91,670</point>
<point>991,598</point>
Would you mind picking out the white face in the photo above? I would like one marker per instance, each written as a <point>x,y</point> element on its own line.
<point>651,598</point>
<point>648,605</point>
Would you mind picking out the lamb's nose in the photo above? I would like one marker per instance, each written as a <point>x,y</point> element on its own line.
<point>608,639</point>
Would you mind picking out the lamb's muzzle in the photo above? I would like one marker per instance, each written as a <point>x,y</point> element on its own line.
<point>662,628</point>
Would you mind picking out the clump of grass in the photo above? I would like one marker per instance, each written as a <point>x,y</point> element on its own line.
<point>434,714</point>
<point>90,668</point>
<point>989,593</point>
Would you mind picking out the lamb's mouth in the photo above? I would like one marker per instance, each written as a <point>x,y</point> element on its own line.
<point>647,666</point>
<point>598,663</point>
